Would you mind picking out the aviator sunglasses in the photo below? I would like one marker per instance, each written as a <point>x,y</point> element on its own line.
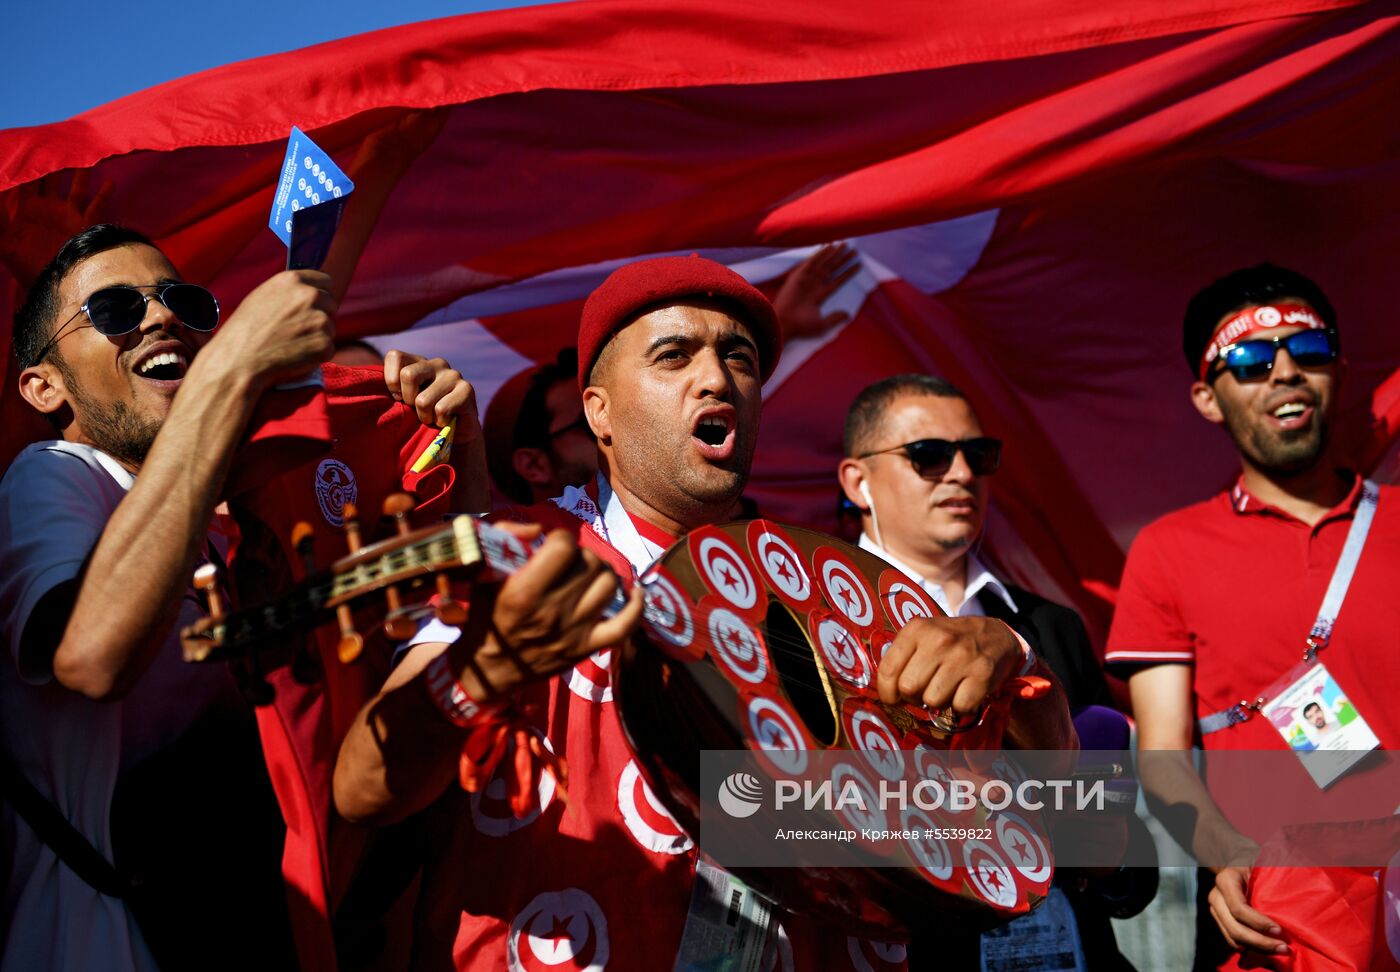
<point>1255,358</point>
<point>114,311</point>
<point>933,457</point>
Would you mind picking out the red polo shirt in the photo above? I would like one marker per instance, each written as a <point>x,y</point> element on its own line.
<point>1231,586</point>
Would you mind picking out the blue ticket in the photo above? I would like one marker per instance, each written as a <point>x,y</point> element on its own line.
<point>309,179</point>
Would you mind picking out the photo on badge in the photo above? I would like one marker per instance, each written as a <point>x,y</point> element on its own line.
<point>1314,716</point>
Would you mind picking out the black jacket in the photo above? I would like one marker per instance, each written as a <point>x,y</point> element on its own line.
<point>1058,636</point>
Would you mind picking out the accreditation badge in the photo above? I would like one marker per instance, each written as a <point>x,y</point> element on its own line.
<point>1318,721</point>
<point>1046,940</point>
<point>729,925</point>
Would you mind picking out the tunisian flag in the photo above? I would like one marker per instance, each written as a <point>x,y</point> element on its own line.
<point>1035,189</point>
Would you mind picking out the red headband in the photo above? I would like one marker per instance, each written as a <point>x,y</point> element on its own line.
<point>1248,323</point>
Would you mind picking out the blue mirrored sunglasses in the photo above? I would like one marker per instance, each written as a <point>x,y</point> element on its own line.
<point>1255,359</point>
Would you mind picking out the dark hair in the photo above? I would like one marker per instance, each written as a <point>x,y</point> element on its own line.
<point>866,412</point>
<point>531,430</point>
<point>34,321</point>
<point>1311,705</point>
<point>1262,284</point>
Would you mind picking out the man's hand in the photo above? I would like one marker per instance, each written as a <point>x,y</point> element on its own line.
<point>435,390</point>
<point>1244,928</point>
<point>957,663</point>
<point>543,619</point>
<point>961,664</point>
<point>798,302</point>
<point>438,394</point>
<point>283,329</point>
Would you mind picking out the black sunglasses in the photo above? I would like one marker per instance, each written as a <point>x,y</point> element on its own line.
<point>114,311</point>
<point>581,424</point>
<point>1252,359</point>
<point>933,457</point>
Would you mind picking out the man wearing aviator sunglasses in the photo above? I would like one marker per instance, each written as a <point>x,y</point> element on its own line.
<point>99,533</point>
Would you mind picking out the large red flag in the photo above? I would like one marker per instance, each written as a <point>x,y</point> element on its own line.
<point>1035,189</point>
<point>1107,160</point>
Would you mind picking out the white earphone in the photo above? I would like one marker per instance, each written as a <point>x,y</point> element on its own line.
<point>874,517</point>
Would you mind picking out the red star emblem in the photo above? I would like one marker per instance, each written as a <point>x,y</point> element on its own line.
<point>845,594</point>
<point>775,738</point>
<point>993,878</point>
<point>727,578</point>
<point>1019,848</point>
<point>783,570</point>
<point>558,931</point>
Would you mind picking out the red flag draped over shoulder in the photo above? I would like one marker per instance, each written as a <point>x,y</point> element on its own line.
<point>1035,189</point>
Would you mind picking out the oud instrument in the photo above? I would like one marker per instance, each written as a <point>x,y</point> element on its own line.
<point>755,636</point>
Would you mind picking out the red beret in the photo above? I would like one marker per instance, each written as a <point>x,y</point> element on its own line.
<point>498,428</point>
<point>647,284</point>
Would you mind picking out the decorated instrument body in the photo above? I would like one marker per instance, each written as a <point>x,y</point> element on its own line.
<point>755,636</point>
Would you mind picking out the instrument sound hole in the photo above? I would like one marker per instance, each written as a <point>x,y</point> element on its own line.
<point>801,675</point>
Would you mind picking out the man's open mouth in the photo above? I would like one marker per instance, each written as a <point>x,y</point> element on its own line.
<point>163,363</point>
<point>714,434</point>
<point>1292,414</point>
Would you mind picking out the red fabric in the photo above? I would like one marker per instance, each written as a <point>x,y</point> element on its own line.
<point>287,427</point>
<point>1134,151</point>
<point>302,729</point>
<point>1329,914</point>
<point>633,288</point>
<point>1335,919</point>
<point>649,531</point>
<point>609,870</point>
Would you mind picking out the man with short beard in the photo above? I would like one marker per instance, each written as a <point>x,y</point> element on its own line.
<point>672,356</point>
<point>1219,599</point>
<point>115,751</point>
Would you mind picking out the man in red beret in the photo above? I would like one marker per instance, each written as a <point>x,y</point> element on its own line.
<point>672,357</point>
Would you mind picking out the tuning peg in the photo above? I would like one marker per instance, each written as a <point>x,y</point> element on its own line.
<point>350,644</point>
<point>351,518</point>
<point>448,609</point>
<point>398,625</point>
<point>399,506</point>
<point>401,624</point>
<point>206,579</point>
<point>304,543</point>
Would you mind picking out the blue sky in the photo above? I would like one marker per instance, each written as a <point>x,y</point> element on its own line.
<point>62,58</point>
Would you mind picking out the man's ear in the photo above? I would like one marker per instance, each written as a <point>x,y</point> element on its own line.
<point>42,386</point>
<point>532,465</point>
<point>595,409</point>
<point>851,474</point>
<point>1203,397</point>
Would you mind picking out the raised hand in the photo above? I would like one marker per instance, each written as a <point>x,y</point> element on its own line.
<point>799,300</point>
<point>283,329</point>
